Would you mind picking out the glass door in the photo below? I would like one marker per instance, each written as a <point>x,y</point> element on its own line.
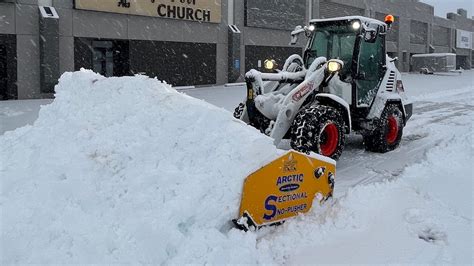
<point>103,58</point>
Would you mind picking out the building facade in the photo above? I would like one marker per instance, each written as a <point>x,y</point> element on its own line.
<point>193,42</point>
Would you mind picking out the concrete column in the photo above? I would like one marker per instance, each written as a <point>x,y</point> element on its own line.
<point>239,17</point>
<point>28,45</point>
<point>233,54</point>
<point>309,6</point>
<point>404,44</point>
<point>49,51</point>
<point>221,64</point>
<point>66,39</point>
<point>315,7</point>
<point>230,12</point>
<point>66,54</point>
<point>222,44</point>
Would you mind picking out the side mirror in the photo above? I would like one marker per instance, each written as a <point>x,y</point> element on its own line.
<point>394,59</point>
<point>294,34</point>
<point>308,30</point>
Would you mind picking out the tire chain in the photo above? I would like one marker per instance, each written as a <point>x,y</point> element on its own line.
<point>304,126</point>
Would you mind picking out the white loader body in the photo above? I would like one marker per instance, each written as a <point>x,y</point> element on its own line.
<point>359,89</point>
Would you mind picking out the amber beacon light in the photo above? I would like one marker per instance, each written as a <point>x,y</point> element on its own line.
<point>389,19</point>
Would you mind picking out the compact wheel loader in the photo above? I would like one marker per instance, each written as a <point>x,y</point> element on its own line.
<point>344,82</point>
<point>312,103</point>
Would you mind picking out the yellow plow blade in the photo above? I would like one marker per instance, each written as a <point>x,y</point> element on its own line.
<point>284,188</point>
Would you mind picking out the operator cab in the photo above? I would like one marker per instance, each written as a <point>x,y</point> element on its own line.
<point>360,43</point>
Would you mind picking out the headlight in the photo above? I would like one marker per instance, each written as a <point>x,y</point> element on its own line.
<point>270,64</point>
<point>356,25</point>
<point>334,66</point>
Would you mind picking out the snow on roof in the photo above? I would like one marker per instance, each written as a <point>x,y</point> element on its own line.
<point>348,18</point>
<point>434,55</point>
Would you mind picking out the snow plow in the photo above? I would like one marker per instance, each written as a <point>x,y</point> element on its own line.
<point>344,83</point>
<point>284,188</point>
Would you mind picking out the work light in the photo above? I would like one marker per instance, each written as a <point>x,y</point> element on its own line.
<point>334,66</point>
<point>269,64</point>
<point>356,25</point>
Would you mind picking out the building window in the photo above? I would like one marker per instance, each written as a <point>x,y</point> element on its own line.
<point>441,36</point>
<point>418,32</point>
<point>331,10</point>
<point>106,57</point>
<point>274,14</point>
<point>8,67</point>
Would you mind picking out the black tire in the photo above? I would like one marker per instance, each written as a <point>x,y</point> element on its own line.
<point>239,110</point>
<point>319,129</point>
<point>388,132</point>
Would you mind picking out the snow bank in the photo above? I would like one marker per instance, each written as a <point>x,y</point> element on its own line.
<point>124,170</point>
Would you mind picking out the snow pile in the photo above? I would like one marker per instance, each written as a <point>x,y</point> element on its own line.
<point>123,170</point>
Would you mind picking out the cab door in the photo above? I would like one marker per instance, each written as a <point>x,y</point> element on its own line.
<point>370,70</point>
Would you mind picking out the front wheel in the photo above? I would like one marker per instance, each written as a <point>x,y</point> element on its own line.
<point>388,132</point>
<point>319,129</point>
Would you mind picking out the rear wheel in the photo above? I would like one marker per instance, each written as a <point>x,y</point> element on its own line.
<point>319,129</point>
<point>388,133</point>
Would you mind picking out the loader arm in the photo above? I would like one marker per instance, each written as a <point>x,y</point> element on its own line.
<point>309,79</point>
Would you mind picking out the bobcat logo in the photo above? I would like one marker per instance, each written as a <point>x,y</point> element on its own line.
<point>302,91</point>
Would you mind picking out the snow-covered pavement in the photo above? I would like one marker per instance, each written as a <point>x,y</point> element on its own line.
<point>15,114</point>
<point>67,196</point>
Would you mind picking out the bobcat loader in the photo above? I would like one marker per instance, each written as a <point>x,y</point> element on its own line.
<point>344,82</point>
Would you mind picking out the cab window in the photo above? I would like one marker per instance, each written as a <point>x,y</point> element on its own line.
<point>370,70</point>
<point>335,41</point>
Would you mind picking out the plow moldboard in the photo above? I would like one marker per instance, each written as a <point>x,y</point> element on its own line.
<point>286,187</point>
